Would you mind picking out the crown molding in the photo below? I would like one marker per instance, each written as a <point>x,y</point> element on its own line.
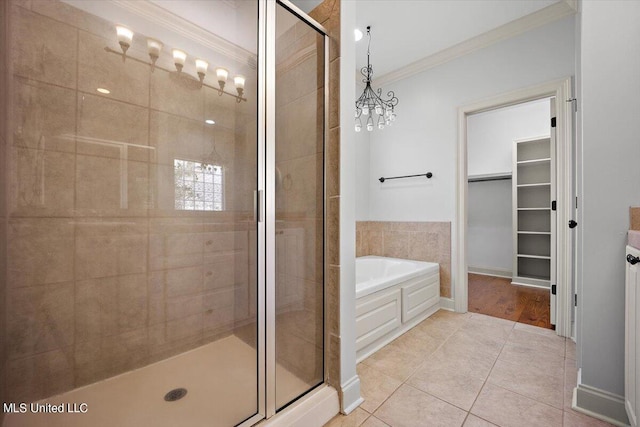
<point>158,15</point>
<point>537,19</point>
<point>296,59</point>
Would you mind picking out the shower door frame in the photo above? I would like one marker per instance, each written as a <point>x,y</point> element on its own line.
<point>265,203</point>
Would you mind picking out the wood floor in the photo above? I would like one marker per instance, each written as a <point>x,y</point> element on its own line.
<point>497,297</point>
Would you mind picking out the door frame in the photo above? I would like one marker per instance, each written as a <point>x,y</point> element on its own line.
<point>562,91</point>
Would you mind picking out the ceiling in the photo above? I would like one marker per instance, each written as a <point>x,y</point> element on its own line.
<point>405,31</point>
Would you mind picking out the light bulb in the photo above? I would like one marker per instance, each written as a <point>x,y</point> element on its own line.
<point>387,122</point>
<point>365,110</point>
<point>392,117</point>
<point>178,59</point>
<point>387,113</point>
<point>221,74</point>
<point>381,125</point>
<point>370,124</point>
<point>201,68</point>
<point>154,47</point>
<point>125,37</point>
<point>239,82</point>
<point>378,110</point>
<point>358,126</point>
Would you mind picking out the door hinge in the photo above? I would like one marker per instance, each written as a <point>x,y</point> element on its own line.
<point>553,205</point>
<point>553,122</point>
<point>553,289</point>
<point>574,101</point>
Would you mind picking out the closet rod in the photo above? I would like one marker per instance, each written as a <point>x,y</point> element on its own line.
<point>489,177</point>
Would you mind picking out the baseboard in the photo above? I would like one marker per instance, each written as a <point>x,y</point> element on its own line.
<point>313,410</point>
<point>351,397</point>
<point>600,404</point>
<point>447,304</point>
<point>489,271</point>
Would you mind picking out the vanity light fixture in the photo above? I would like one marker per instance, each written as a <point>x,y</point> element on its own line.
<point>222,74</point>
<point>210,122</point>
<point>154,47</point>
<point>201,68</point>
<point>371,102</point>
<point>125,37</point>
<point>179,57</point>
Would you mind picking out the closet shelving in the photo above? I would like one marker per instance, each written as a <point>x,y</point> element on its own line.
<point>533,191</point>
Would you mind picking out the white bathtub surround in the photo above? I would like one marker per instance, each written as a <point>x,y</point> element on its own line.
<point>392,296</point>
<point>420,241</point>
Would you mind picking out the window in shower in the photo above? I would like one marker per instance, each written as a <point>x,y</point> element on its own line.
<point>198,186</point>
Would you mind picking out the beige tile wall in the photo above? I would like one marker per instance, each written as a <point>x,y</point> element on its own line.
<point>634,221</point>
<point>103,274</point>
<point>4,8</point>
<point>420,241</point>
<point>328,14</point>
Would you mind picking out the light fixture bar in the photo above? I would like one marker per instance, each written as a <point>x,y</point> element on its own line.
<point>184,75</point>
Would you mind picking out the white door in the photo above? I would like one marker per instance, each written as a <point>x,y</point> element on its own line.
<point>631,342</point>
<point>554,243</point>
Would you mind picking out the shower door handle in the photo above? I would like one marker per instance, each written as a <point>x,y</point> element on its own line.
<point>257,204</point>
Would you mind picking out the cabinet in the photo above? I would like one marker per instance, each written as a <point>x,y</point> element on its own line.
<point>631,330</point>
<point>533,183</point>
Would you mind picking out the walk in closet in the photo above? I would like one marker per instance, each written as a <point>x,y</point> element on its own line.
<point>533,183</point>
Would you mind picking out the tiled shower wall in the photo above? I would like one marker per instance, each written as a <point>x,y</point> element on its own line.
<point>634,214</point>
<point>4,30</point>
<point>328,14</point>
<point>420,241</point>
<point>104,275</point>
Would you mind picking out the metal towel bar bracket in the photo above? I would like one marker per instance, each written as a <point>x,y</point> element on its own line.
<point>383,179</point>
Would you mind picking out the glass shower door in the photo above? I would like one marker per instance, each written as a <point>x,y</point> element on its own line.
<point>131,243</point>
<point>299,205</point>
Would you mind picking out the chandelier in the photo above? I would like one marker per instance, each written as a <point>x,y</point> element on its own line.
<point>371,102</point>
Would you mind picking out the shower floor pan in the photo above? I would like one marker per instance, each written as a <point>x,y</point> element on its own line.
<point>212,374</point>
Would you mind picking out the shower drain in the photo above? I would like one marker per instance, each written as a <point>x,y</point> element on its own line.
<point>175,394</point>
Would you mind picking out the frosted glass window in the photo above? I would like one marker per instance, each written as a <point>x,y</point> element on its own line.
<point>199,186</point>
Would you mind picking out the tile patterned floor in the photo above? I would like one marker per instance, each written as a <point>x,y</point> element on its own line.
<point>469,370</point>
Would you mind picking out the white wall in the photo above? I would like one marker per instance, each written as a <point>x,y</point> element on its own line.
<point>424,137</point>
<point>490,137</point>
<point>489,236</point>
<point>349,379</point>
<point>362,166</point>
<point>609,103</point>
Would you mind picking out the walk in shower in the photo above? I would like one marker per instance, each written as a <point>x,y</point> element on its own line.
<point>162,210</point>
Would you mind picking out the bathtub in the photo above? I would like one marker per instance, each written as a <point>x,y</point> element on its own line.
<point>392,296</point>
